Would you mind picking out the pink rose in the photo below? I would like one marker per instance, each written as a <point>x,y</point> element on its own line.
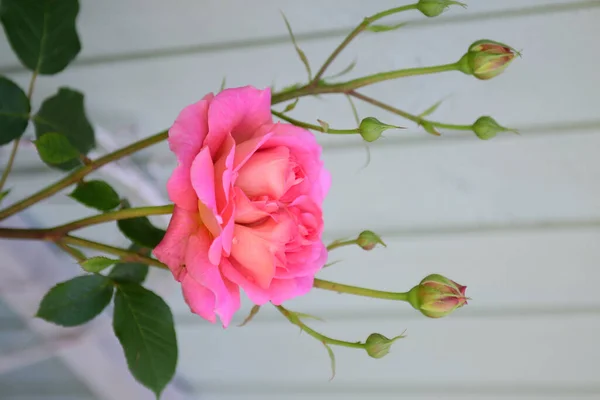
<point>248,195</point>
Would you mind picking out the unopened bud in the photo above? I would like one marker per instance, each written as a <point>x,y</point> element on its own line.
<point>378,346</point>
<point>486,128</point>
<point>368,240</point>
<point>485,59</point>
<point>437,296</point>
<point>371,128</point>
<point>433,8</point>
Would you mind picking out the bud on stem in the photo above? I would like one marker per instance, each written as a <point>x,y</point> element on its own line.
<point>433,8</point>
<point>437,296</point>
<point>486,59</point>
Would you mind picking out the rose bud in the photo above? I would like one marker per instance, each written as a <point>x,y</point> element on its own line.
<point>437,296</point>
<point>368,240</point>
<point>433,8</point>
<point>378,346</point>
<point>486,59</point>
<point>371,128</point>
<point>486,128</point>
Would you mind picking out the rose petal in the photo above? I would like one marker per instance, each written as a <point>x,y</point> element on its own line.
<point>180,189</point>
<point>200,300</point>
<point>265,173</point>
<point>237,111</point>
<point>227,297</point>
<point>171,250</point>
<point>189,130</point>
<point>282,290</point>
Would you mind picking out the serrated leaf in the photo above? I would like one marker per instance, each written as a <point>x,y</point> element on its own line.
<point>385,28</point>
<point>298,50</point>
<point>76,301</point>
<point>291,106</point>
<point>55,149</point>
<point>14,111</point>
<point>97,264</point>
<point>141,231</point>
<point>42,32</point>
<point>431,109</point>
<point>255,309</point>
<point>64,113</point>
<point>129,272</point>
<point>96,194</point>
<point>143,323</point>
<point>344,71</point>
<point>332,358</point>
<point>324,125</point>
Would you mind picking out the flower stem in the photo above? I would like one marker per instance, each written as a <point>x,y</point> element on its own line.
<point>311,126</point>
<point>359,291</point>
<point>340,243</point>
<point>404,114</point>
<point>349,86</point>
<point>293,318</point>
<point>360,28</point>
<point>111,216</point>
<point>80,173</point>
<point>127,255</point>
<point>16,142</point>
<point>9,164</point>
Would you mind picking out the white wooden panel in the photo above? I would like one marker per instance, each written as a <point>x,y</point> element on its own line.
<point>447,352</point>
<point>396,393</point>
<point>144,97</point>
<point>122,27</point>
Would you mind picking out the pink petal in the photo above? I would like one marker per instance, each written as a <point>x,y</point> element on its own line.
<point>256,294</point>
<point>238,111</point>
<point>226,295</point>
<point>246,211</point>
<point>180,189</point>
<point>255,254</point>
<point>200,300</point>
<point>189,130</point>
<point>282,290</point>
<point>265,173</point>
<point>245,150</point>
<point>203,179</point>
<point>171,250</point>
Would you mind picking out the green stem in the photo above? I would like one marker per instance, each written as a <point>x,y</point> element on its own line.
<point>293,318</point>
<point>9,164</point>
<point>127,255</point>
<point>80,173</point>
<point>349,86</point>
<point>360,28</point>
<point>340,243</point>
<point>69,250</point>
<point>111,216</point>
<point>416,119</point>
<point>311,126</point>
<point>13,151</point>
<point>359,291</point>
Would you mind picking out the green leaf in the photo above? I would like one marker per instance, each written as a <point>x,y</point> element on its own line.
<point>3,194</point>
<point>431,109</point>
<point>96,194</point>
<point>14,111</point>
<point>42,32</point>
<point>385,28</point>
<point>64,113</point>
<point>55,149</point>
<point>291,106</point>
<point>302,315</point>
<point>223,84</point>
<point>324,125</point>
<point>76,301</point>
<point>344,71</point>
<point>143,323</point>
<point>332,358</point>
<point>97,264</point>
<point>298,49</point>
<point>129,272</point>
<point>255,309</point>
<point>141,231</point>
